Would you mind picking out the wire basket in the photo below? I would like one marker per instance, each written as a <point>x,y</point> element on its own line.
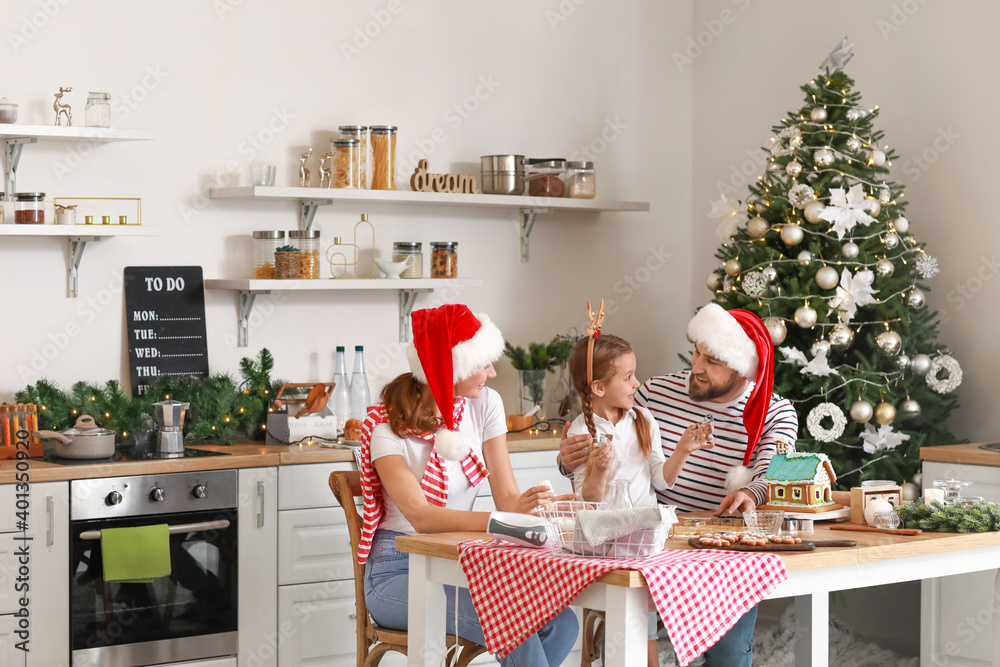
<point>636,544</point>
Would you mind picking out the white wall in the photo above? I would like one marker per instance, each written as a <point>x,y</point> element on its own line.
<point>563,74</point>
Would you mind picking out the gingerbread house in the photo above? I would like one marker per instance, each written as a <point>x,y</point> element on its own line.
<point>800,482</point>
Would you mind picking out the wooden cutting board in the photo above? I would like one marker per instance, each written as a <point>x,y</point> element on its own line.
<point>805,546</point>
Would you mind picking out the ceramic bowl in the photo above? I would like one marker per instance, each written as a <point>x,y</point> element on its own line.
<point>391,269</point>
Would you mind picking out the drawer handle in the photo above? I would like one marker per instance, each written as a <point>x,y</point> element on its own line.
<point>50,507</point>
<point>179,528</point>
<point>260,504</point>
<point>353,617</point>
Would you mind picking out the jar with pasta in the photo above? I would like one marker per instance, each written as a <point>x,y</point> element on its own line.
<point>264,245</point>
<point>308,242</point>
<point>383,140</point>
<point>444,259</point>
<point>344,170</point>
<point>412,253</point>
<point>359,132</point>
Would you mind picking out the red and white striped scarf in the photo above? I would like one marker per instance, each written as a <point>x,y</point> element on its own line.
<point>434,482</point>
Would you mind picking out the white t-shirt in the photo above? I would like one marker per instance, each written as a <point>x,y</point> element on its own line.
<point>643,473</point>
<point>483,420</point>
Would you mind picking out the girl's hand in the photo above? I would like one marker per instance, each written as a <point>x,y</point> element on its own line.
<point>601,456</point>
<point>537,496</point>
<point>695,437</point>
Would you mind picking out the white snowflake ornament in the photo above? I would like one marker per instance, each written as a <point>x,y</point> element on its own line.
<point>927,266</point>
<point>846,210</point>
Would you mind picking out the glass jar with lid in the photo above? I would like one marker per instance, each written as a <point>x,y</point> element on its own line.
<point>29,208</point>
<point>264,245</point>
<point>97,113</point>
<point>411,252</point>
<point>546,178</point>
<point>581,182</point>
<point>444,259</point>
<point>308,242</point>
<point>345,167</point>
<point>383,141</point>
<point>359,132</point>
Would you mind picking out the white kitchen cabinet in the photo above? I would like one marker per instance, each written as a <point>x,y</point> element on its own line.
<point>322,618</point>
<point>313,545</point>
<point>47,577</point>
<point>258,600</point>
<point>957,612</point>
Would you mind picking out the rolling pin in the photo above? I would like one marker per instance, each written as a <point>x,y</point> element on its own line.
<point>873,529</point>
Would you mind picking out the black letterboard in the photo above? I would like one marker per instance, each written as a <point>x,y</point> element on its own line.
<point>165,316</point>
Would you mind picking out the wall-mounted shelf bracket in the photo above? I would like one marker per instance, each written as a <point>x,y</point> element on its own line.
<point>12,156</point>
<point>76,247</point>
<point>246,306</point>
<point>307,211</point>
<point>407,298</point>
<point>527,222</point>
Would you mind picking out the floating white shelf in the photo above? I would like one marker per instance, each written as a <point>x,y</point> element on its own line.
<point>408,289</point>
<point>62,132</point>
<point>311,198</point>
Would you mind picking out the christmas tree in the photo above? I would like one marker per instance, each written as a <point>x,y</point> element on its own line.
<point>822,252</point>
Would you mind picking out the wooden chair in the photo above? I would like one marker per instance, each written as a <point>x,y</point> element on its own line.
<point>373,641</point>
<point>593,637</point>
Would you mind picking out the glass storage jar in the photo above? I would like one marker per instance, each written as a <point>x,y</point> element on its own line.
<point>344,170</point>
<point>581,182</point>
<point>97,113</point>
<point>359,132</point>
<point>29,208</point>
<point>308,242</point>
<point>411,252</point>
<point>545,178</point>
<point>444,259</point>
<point>264,245</point>
<point>383,141</point>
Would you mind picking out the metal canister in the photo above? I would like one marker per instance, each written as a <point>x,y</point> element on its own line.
<point>264,245</point>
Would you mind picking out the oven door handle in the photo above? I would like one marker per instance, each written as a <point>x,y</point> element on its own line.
<point>179,528</point>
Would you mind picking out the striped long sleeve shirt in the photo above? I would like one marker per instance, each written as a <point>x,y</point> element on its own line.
<point>701,483</point>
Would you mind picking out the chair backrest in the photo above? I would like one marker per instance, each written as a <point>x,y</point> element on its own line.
<point>346,486</point>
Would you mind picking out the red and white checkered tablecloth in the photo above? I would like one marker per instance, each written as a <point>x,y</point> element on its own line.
<point>699,594</point>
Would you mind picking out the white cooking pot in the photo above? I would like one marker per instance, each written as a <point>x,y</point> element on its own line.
<point>86,440</point>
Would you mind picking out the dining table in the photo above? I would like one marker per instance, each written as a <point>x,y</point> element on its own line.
<point>623,594</point>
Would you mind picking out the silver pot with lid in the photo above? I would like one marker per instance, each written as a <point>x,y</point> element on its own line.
<point>86,440</point>
<point>502,174</point>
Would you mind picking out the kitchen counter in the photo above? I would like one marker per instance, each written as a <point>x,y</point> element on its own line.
<point>968,453</point>
<point>241,455</point>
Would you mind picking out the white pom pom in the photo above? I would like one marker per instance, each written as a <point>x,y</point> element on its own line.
<point>451,445</point>
<point>736,478</point>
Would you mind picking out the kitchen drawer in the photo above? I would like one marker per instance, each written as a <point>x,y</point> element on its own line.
<point>8,518</point>
<point>313,545</point>
<point>317,624</point>
<point>307,485</point>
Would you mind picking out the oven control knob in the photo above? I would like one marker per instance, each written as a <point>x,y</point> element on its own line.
<point>157,495</point>
<point>199,491</point>
<point>114,498</point>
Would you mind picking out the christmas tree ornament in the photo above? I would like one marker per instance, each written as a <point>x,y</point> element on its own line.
<point>903,362</point>
<point>885,413</point>
<point>854,115</point>
<point>823,157</point>
<point>850,250</point>
<point>916,299</point>
<point>909,492</point>
<point>862,411</point>
<point>889,343</point>
<point>800,195</point>
<point>900,224</point>
<point>884,268</point>
<point>770,273</point>
<point>891,241</point>
<point>910,409</point>
<point>792,234</point>
<point>820,347</point>
<point>805,317</point>
<point>841,337</point>
<point>812,210</point>
<point>876,157</point>
<point>733,267</point>
<point>952,379</point>
<point>884,194</point>
<point>921,364</point>
<point>927,266</point>
<point>814,422</point>
<point>805,258</point>
<point>853,143</point>
<point>818,114</point>
<point>827,277</point>
<point>757,227</point>
<point>793,169</point>
<point>776,328</point>
<point>728,284</point>
<point>754,285</point>
<point>873,205</point>
<point>796,141</point>
<point>714,281</point>
<point>846,209</point>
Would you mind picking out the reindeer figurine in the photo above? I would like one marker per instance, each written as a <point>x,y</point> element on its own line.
<point>326,170</point>
<point>61,108</point>
<point>304,170</point>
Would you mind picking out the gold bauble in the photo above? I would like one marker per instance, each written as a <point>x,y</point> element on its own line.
<point>792,234</point>
<point>885,413</point>
<point>733,267</point>
<point>714,281</point>
<point>861,411</point>
<point>841,337</point>
<point>827,277</point>
<point>757,227</point>
<point>873,205</point>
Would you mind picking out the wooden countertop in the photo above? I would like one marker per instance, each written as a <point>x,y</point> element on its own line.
<point>968,453</point>
<point>240,455</point>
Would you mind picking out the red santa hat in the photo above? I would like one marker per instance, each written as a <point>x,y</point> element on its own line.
<point>449,345</point>
<point>739,339</point>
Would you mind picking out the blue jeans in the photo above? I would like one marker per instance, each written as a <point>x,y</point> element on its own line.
<point>735,648</point>
<point>386,594</point>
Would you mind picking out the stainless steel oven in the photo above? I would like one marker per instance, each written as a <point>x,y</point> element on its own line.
<point>190,614</point>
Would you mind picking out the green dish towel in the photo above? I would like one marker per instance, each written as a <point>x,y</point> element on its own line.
<point>138,554</point>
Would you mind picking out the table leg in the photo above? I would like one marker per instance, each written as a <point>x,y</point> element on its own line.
<point>625,626</point>
<point>425,617</point>
<point>812,618</point>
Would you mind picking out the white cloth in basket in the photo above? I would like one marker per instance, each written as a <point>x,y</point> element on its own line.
<point>600,526</point>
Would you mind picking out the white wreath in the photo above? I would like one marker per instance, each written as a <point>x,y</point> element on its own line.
<point>821,412</point>
<point>950,382</point>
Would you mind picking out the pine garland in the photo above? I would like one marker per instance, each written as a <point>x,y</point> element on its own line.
<point>982,517</point>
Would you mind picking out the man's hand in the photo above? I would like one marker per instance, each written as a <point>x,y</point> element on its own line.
<point>740,500</point>
<point>573,451</point>
<point>601,457</point>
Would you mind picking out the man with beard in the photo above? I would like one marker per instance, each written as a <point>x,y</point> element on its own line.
<point>722,468</point>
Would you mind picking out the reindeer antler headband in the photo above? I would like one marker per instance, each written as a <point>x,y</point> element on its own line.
<point>593,331</point>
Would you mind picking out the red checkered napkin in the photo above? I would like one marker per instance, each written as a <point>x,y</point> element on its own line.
<point>699,594</point>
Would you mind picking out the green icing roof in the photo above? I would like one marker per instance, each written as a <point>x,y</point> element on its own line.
<point>785,469</point>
